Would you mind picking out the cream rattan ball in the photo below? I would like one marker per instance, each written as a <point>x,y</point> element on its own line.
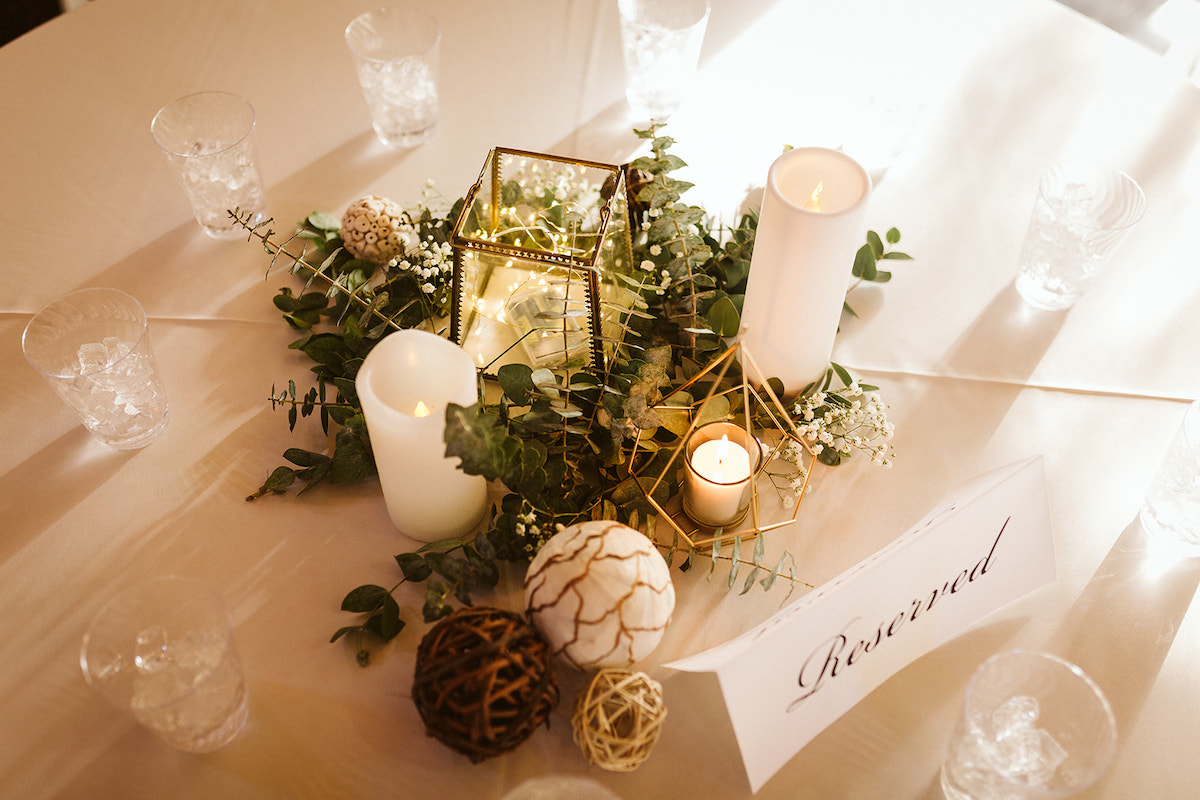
<point>618,719</point>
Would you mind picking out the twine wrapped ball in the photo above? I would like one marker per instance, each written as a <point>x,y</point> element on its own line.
<point>618,719</point>
<point>600,594</point>
<point>484,681</point>
<point>376,229</point>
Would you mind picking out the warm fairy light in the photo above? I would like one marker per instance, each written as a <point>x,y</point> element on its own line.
<point>813,203</point>
<point>421,410</point>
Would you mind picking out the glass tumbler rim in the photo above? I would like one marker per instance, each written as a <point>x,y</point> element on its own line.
<point>1110,747</point>
<point>159,116</point>
<point>1189,429</point>
<point>1122,177</point>
<point>39,317</point>
<point>390,12</point>
<point>625,11</point>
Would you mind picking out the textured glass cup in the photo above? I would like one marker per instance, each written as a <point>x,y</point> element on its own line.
<point>93,348</point>
<point>208,141</point>
<point>396,55</point>
<point>1171,513</point>
<point>163,651</point>
<point>661,41</point>
<point>1083,211</point>
<point>1033,726</point>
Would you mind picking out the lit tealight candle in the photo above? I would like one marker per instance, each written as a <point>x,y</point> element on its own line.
<point>716,486</point>
<point>405,384</point>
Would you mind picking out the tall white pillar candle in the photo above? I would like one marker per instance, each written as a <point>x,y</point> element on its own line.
<point>404,385</point>
<point>809,229</point>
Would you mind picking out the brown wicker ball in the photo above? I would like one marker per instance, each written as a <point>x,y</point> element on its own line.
<point>618,719</point>
<point>484,681</point>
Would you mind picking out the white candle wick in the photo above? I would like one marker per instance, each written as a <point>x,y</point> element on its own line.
<point>722,451</point>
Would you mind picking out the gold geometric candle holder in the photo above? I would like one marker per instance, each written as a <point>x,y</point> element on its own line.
<point>543,267</point>
<point>761,417</point>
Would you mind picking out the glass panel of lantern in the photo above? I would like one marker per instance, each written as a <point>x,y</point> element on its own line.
<point>543,269</point>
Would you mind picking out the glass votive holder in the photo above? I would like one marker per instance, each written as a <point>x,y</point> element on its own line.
<point>720,462</point>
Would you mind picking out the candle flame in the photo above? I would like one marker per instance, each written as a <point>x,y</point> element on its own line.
<point>722,449</point>
<point>813,203</point>
<point>421,410</point>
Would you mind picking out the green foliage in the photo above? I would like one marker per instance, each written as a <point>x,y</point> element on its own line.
<point>867,258</point>
<point>559,442</point>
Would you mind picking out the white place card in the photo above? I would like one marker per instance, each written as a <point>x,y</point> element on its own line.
<point>783,682</point>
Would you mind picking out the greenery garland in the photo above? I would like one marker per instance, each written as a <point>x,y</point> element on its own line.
<point>557,442</point>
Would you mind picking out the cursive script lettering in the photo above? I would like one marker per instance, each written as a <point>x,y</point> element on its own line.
<point>830,658</point>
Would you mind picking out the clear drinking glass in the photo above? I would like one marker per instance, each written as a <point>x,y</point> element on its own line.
<point>208,141</point>
<point>1083,211</point>
<point>661,41</point>
<point>163,651</point>
<point>396,54</point>
<point>93,348</point>
<point>1033,726</point>
<point>1171,513</point>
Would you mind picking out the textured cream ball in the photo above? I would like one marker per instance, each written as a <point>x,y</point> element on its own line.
<point>376,229</point>
<point>600,594</point>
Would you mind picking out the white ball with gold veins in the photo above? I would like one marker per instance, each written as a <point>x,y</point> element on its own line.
<point>600,594</point>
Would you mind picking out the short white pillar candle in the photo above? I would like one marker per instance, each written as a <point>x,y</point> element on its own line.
<point>404,385</point>
<point>720,461</point>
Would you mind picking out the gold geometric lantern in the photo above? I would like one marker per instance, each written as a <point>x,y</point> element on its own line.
<point>760,419</point>
<point>543,267</point>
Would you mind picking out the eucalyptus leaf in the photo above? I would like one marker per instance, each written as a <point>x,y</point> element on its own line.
<point>723,317</point>
<point>864,263</point>
<point>324,221</point>
<point>875,243</point>
<point>365,599</point>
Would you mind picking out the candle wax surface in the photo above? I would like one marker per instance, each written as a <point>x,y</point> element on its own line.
<point>721,461</point>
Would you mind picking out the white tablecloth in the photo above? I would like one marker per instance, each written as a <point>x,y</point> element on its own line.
<point>975,379</point>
